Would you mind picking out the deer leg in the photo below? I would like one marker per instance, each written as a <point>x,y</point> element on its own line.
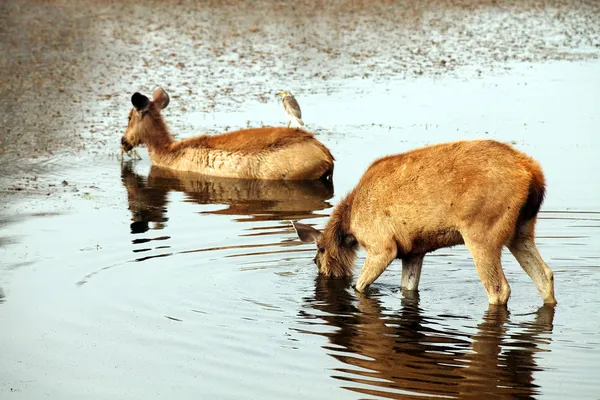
<point>376,262</point>
<point>411,272</point>
<point>525,251</point>
<point>289,123</point>
<point>489,268</point>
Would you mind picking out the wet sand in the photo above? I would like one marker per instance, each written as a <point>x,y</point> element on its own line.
<point>71,66</point>
<point>133,282</point>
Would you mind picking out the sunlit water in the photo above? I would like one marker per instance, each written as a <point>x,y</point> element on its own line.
<point>155,284</point>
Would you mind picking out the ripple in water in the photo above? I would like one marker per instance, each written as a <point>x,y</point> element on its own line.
<point>406,354</point>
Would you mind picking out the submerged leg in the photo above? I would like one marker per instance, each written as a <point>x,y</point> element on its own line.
<point>376,262</point>
<point>411,272</point>
<point>525,251</point>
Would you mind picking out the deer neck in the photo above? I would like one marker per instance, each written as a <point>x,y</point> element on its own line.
<point>158,139</point>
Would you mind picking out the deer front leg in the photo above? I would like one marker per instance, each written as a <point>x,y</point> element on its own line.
<point>411,272</point>
<point>376,262</point>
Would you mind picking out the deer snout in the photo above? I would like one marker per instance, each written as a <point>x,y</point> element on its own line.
<point>125,145</point>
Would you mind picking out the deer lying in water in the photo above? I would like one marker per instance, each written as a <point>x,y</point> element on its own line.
<point>483,194</point>
<point>258,153</point>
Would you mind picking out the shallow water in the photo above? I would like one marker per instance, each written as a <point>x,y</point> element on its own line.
<point>128,281</point>
<point>147,283</point>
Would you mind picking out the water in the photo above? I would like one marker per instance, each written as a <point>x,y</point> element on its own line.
<point>147,283</point>
<point>127,281</point>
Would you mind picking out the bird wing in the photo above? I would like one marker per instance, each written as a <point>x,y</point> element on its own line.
<point>292,107</point>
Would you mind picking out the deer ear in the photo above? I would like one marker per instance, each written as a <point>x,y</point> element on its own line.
<point>160,98</point>
<point>140,102</point>
<point>307,234</point>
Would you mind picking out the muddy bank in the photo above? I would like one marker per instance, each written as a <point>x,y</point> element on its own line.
<point>70,67</point>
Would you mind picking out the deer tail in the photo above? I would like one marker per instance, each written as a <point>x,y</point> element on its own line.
<point>535,197</point>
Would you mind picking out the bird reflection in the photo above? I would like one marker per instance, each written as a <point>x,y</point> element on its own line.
<point>253,200</point>
<point>404,354</point>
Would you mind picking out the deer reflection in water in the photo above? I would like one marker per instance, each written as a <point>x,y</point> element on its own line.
<point>406,355</point>
<point>256,200</point>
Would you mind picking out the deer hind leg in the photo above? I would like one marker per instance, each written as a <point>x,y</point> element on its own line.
<point>523,247</point>
<point>411,272</point>
<point>378,258</point>
<point>486,256</point>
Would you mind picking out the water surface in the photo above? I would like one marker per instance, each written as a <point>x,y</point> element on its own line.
<point>128,281</point>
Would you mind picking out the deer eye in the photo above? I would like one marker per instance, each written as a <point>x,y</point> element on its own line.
<point>321,250</point>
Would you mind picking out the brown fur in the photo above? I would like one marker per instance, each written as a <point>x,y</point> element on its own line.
<point>482,193</point>
<point>252,141</point>
<point>338,245</point>
<point>276,153</point>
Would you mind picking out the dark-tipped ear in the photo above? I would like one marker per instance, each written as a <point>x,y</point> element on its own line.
<point>307,234</point>
<point>140,102</point>
<point>160,98</point>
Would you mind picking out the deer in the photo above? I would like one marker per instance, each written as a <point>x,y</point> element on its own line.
<point>270,153</point>
<point>484,194</point>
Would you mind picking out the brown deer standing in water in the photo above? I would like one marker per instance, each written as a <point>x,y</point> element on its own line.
<point>275,153</point>
<point>481,193</point>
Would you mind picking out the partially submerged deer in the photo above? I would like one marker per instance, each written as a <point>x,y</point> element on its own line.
<point>276,153</point>
<point>483,193</point>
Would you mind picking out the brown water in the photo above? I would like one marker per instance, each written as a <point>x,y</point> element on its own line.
<point>127,281</point>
